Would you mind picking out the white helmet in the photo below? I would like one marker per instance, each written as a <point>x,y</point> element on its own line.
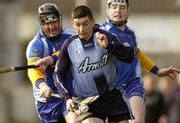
<point>124,2</point>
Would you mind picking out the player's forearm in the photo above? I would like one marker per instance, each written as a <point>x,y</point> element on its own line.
<point>62,66</point>
<point>150,66</point>
<point>36,76</point>
<point>147,64</point>
<point>121,52</point>
<point>62,90</point>
<point>59,82</point>
<point>52,59</point>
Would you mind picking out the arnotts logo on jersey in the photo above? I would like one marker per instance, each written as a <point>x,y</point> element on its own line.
<point>85,66</point>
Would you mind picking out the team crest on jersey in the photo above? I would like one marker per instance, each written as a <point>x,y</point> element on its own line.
<point>35,52</point>
<point>78,51</point>
<point>86,66</point>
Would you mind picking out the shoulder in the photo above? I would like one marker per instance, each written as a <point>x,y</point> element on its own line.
<point>69,41</point>
<point>130,30</point>
<point>105,26</point>
<point>107,33</point>
<point>35,46</point>
<point>36,41</point>
<point>68,31</point>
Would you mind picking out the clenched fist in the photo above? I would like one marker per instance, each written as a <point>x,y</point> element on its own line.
<point>102,39</point>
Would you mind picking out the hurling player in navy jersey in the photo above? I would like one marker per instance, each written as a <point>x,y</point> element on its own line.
<point>92,55</point>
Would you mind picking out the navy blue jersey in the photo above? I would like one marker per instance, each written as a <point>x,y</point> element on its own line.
<point>126,72</point>
<point>93,67</point>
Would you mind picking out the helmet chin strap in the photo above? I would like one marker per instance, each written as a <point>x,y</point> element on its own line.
<point>54,37</point>
<point>118,23</point>
<point>51,38</point>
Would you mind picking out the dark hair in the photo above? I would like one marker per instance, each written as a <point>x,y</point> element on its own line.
<point>81,11</point>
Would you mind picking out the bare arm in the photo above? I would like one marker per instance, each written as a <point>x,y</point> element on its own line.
<point>150,66</point>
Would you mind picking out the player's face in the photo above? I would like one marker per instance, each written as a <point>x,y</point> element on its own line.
<point>117,12</point>
<point>51,28</point>
<point>83,27</point>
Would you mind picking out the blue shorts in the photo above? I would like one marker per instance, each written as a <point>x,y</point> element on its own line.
<point>112,105</point>
<point>134,88</point>
<point>53,111</point>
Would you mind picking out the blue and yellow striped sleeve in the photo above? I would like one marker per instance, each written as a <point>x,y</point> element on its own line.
<point>55,56</point>
<point>35,75</point>
<point>147,63</point>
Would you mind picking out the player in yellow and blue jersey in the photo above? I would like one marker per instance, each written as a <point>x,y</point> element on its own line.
<point>48,41</point>
<point>129,75</point>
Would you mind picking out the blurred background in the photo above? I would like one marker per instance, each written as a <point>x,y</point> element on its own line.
<point>156,23</point>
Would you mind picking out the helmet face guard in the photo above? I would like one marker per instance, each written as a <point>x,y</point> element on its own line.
<point>49,17</point>
<point>48,13</point>
<point>123,2</point>
<point>120,2</point>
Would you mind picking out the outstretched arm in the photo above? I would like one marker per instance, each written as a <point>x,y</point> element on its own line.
<point>49,60</point>
<point>150,66</point>
<point>170,72</point>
